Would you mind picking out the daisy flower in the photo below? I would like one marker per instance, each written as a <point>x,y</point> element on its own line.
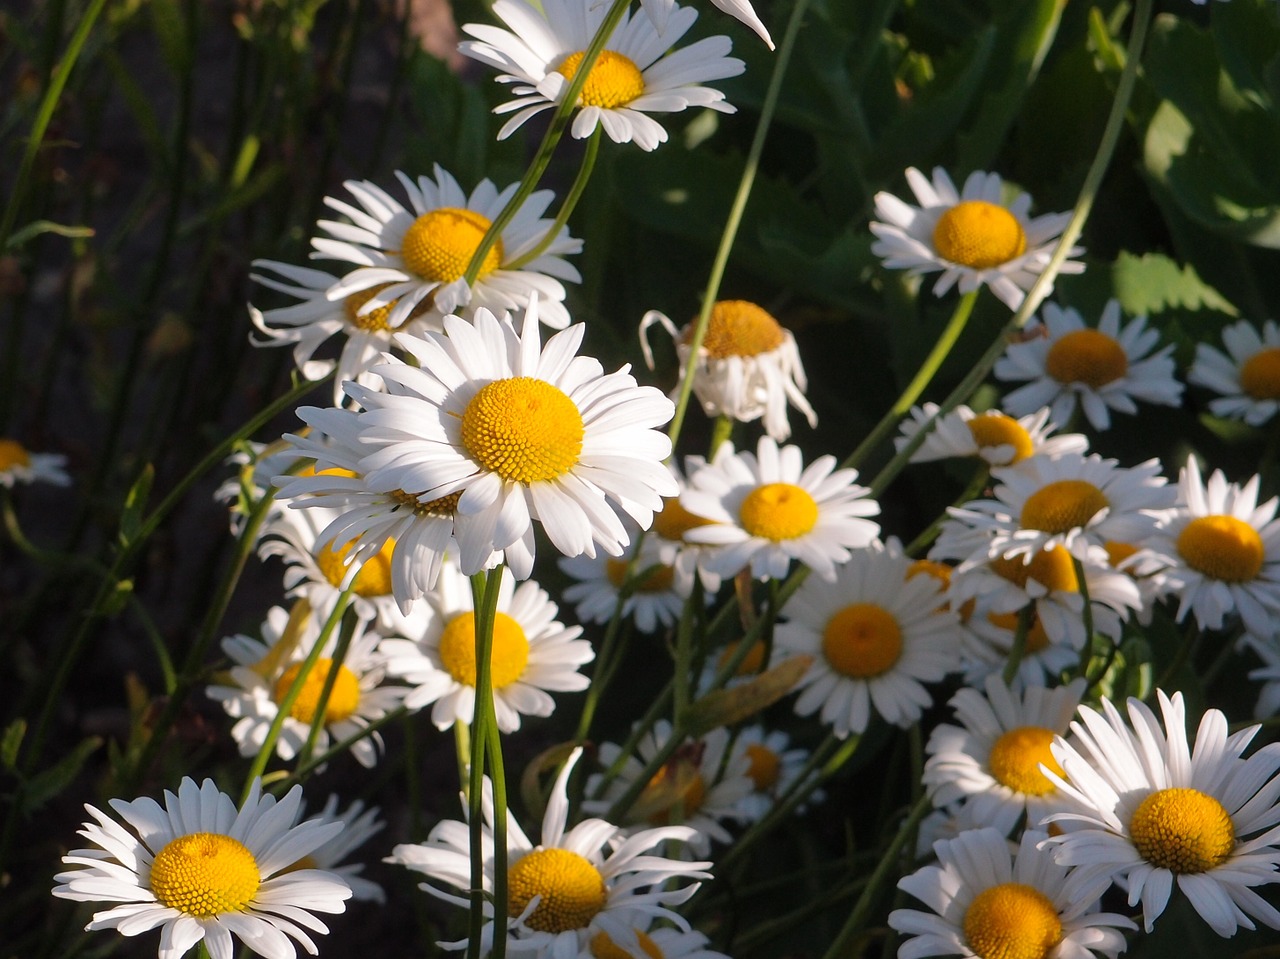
<point>672,522</point>
<point>992,760</point>
<point>1103,369</point>
<point>768,509</point>
<point>199,869</point>
<point>664,943</point>
<point>986,900</point>
<point>520,433</point>
<point>256,465</point>
<point>634,76</point>
<point>875,636</point>
<point>656,599</point>
<point>421,255</point>
<point>659,10</point>
<point>773,768</point>
<point>19,465</point>
<point>532,654</point>
<point>748,366</point>
<point>563,892</point>
<point>1247,375</point>
<point>1148,808</point>
<point>358,825</point>
<point>972,235</point>
<point>1224,552</point>
<point>992,436</point>
<point>985,648</point>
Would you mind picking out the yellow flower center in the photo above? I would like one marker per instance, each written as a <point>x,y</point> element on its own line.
<point>1260,374</point>
<point>1037,639</point>
<point>995,429</point>
<point>376,319</point>
<point>602,947</point>
<point>673,520</point>
<point>752,663</point>
<point>738,328</point>
<point>1012,921</point>
<point>778,511</point>
<point>443,506</point>
<point>1052,568</point>
<point>572,890</point>
<point>374,578</point>
<point>1118,552</point>
<point>13,453</point>
<point>523,429</point>
<point>205,874</point>
<point>978,234</point>
<point>862,640</point>
<point>1222,547</point>
<point>677,787</point>
<point>614,81</point>
<point>1182,830</point>
<point>1061,506</point>
<point>660,578</point>
<point>344,698</point>
<point>765,766</point>
<point>1086,356</point>
<point>506,661</point>
<point>1016,757</point>
<point>439,245</point>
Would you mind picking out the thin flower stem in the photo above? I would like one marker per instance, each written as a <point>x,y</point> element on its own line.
<point>721,432</point>
<point>1190,642</point>
<point>566,208</point>
<point>330,680</point>
<point>1086,615</point>
<point>462,746</point>
<point>303,769</point>
<point>485,741</point>
<point>1019,647</point>
<point>922,542</point>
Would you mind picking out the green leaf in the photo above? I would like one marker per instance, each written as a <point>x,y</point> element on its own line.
<point>171,31</point>
<point>11,742</point>
<point>45,785</point>
<point>135,502</point>
<point>1153,283</point>
<point>35,229</point>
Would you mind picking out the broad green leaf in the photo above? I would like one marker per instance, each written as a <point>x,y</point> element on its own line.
<point>1153,283</point>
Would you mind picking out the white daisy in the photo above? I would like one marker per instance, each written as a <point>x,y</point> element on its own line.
<point>634,76</point>
<point>659,10</point>
<point>875,636</point>
<point>998,439</point>
<point>200,869</point>
<point>569,888</point>
<point>421,255</point>
<point>672,522</point>
<point>532,654</point>
<point>768,509</point>
<point>19,465</point>
<point>773,768</point>
<point>987,900</point>
<point>992,760</point>
<point>664,943</point>
<point>656,598</point>
<point>522,433</point>
<point>1268,675</point>
<point>1150,808</point>
<point>1224,552</point>
<point>985,648</point>
<point>1104,369</point>
<point>972,235</point>
<point>358,825</point>
<point>748,366</point>
<point>1247,375</point>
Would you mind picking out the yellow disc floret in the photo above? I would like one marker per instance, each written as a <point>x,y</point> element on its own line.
<point>374,578</point>
<point>678,787</point>
<point>507,660</point>
<point>673,521</point>
<point>995,429</point>
<point>344,698</point>
<point>1052,568</point>
<point>1012,921</point>
<point>1222,547</point>
<point>602,947</point>
<point>658,579</point>
<point>572,890</point>
<point>1062,506</point>
<point>978,234</point>
<point>440,507</point>
<point>614,81</point>
<point>738,328</point>
<point>778,511</point>
<point>1086,356</point>
<point>524,429</point>
<point>862,640</point>
<point>376,319</point>
<point>1016,757</point>
<point>13,453</point>
<point>438,246</point>
<point>751,663</point>
<point>1182,830</point>
<point>1260,374</point>
<point>765,767</point>
<point>205,874</point>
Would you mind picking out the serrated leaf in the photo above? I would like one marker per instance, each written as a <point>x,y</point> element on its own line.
<point>47,784</point>
<point>1153,283</point>
<point>725,707</point>
<point>11,742</point>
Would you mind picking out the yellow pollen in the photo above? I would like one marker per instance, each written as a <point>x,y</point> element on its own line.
<point>443,506</point>
<point>344,698</point>
<point>738,328</point>
<point>376,319</point>
<point>1037,639</point>
<point>1182,830</point>
<point>752,663</point>
<point>765,766</point>
<point>996,429</point>
<point>523,429</point>
<point>673,520</point>
<point>1222,547</point>
<point>862,640</point>
<point>506,661</point>
<point>1016,757</point>
<point>1260,374</point>
<point>614,81</point>
<point>602,947</point>
<point>778,511</point>
<point>1012,921</point>
<point>13,453</point>
<point>1086,356</point>
<point>978,234</point>
<point>374,578</point>
<point>661,578</point>
<point>572,890</point>
<point>1052,568</point>
<point>1062,506</point>
<point>205,874</point>
<point>439,245</point>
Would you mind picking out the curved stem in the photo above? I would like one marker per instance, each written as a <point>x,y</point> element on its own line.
<point>485,741</point>
<point>566,208</point>
<point>1025,617</point>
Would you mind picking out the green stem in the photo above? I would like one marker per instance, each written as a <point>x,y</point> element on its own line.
<point>330,680</point>
<point>337,749</point>
<point>721,432</point>
<point>1086,616</point>
<point>976,485</point>
<point>1190,640</point>
<point>566,208</point>
<point>1019,647</point>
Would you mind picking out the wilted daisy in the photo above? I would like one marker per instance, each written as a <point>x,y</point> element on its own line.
<point>989,902</point>
<point>748,366</point>
<point>19,465</point>
<point>1149,809</point>
<point>768,508</point>
<point>358,825</point>
<point>569,888</point>
<point>634,75</point>
<point>996,438</point>
<point>972,235</point>
<point>1103,369</point>
<point>420,255</point>
<point>199,869</point>
<point>875,635</point>
<point>533,654</point>
<point>657,594</point>
<point>992,760</point>
<point>1247,375</point>
<point>773,766</point>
